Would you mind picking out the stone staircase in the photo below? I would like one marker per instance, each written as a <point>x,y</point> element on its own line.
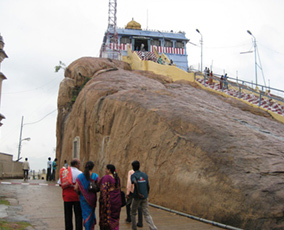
<point>148,56</point>
<point>266,102</point>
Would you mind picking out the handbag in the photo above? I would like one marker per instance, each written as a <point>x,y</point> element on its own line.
<point>129,199</point>
<point>93,186</point>
<point>123,200</point>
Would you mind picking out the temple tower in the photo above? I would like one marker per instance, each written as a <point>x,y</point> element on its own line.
<point>110,47</point>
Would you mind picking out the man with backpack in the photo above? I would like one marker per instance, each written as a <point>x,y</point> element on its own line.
<point>140,195</point>
<point>71,200</point>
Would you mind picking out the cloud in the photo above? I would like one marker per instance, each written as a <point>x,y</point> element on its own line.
<point>37,34</point>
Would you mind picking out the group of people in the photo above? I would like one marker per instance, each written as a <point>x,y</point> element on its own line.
<point>208,75</point>
<point>224,82</point>
<point>223,79</point>
<point>51,169</point>
<point>79,197</point>
<point>163,62</point>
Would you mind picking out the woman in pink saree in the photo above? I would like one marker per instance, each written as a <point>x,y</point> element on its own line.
<point>110,199</point>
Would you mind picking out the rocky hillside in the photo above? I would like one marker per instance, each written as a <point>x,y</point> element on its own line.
<point>205,155</point>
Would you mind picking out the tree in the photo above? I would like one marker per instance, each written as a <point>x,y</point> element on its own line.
<point>60,66</point>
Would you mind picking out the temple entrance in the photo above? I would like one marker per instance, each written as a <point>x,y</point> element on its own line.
<point>141,44</point>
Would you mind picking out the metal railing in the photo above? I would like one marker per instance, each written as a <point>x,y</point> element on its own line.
<point>244,86</point>
<point>195,217</point>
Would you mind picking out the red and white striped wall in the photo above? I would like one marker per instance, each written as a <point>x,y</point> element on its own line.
<point>169,50</point>
<point>118,46</point>
<point>160,49</point>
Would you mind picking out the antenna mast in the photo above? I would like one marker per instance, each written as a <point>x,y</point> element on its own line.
<point>112,25</point>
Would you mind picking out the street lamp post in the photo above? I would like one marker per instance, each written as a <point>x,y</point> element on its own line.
<point>20,140</point>
<point>201,44</point>
<point>255,61</point>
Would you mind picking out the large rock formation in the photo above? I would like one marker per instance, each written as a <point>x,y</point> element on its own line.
<point>205,155</point>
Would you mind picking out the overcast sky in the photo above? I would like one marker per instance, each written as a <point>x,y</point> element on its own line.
<point>37,34</point>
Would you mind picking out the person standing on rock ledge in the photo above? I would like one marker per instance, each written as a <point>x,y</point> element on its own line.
<point>141,192</point>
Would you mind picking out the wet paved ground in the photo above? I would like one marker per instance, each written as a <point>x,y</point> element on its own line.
<point>42,206</point>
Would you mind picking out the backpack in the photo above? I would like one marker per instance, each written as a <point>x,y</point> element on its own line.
<point>66,177</point>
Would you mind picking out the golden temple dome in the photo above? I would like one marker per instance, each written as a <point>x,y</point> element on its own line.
<point>133,25</point>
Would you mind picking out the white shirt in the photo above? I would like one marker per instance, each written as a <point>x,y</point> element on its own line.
<point>26,165</point>
<point>130,186</point>
<point>75,173</point>
<point>49,163</point>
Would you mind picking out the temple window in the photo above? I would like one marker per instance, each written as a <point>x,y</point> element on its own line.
<point>168,43</point>
<point>179,45</point>
<point>125,40</point>
<point>155,43</point>
<point>76,147</point>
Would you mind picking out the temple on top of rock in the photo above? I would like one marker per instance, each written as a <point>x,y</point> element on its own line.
<point>147,43</point>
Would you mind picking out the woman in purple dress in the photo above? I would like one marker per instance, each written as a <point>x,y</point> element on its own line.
<point>110,199</point>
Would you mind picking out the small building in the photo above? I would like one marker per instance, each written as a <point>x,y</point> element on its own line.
<point>3,55</point>
<point>173,45</point>
<point>10,168</point>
